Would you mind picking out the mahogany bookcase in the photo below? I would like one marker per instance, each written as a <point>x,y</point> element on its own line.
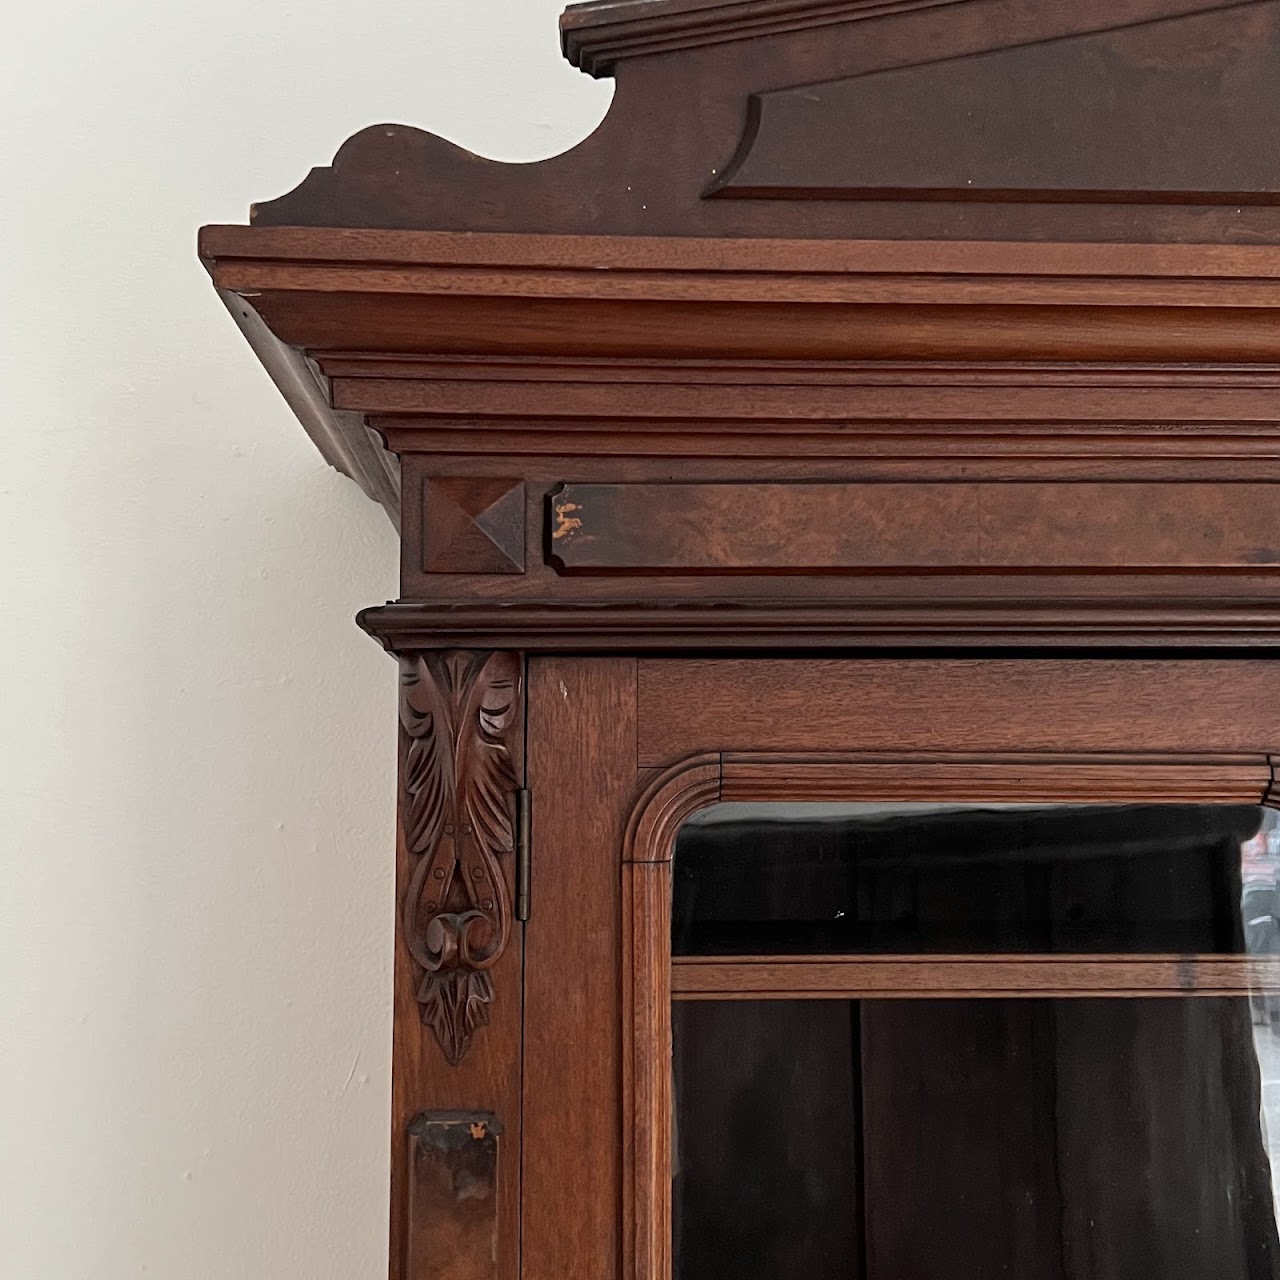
<point>882,406</point>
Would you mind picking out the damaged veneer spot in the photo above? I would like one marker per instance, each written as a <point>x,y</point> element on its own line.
<point>453,1196</point>
<point>566,521</point>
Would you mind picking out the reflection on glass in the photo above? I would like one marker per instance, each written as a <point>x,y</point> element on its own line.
<point>1082,878</point>
<point>962,1138</point>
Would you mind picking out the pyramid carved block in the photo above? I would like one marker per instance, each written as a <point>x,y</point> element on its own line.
<point>473,524</point>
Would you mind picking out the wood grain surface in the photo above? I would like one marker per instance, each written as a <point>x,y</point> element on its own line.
<point>1033,778</point>
<point>583,776</point>
<point>732,528</point>
<point>956,705</point>
<point>970,977</point>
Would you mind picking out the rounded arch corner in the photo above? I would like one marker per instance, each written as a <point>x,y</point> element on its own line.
<point>666,803</point>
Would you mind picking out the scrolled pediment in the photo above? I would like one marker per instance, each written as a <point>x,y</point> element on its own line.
<point>1131,120</point>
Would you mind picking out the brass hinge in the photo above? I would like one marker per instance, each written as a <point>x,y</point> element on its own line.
<point>524,839</point>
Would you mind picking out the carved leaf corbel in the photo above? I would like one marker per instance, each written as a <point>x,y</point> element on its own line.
<point>460,713</point>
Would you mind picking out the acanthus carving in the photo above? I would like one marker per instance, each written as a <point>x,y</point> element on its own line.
<point>461,716</point>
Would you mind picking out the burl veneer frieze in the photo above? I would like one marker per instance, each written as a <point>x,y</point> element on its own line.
<point>843,528</point>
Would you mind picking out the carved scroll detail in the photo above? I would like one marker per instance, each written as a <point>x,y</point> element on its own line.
<point>461,715</point>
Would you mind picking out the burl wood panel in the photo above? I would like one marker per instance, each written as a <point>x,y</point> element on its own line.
<point>961,705</point>
<point>583,777</point>
<point>777,528</point>
<point>454,1223</point>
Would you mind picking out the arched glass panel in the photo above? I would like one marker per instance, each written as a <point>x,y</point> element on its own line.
<point>918,1042</point>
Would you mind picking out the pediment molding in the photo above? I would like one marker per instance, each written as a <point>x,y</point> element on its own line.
<point>596,36</point>
<point>837,120</point>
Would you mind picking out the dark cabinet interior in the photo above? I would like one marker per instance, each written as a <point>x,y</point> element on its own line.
<point>1074,878</point>
<point>1047,1139</point>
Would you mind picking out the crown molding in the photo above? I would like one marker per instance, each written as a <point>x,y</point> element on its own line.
<point>738,626</point>
<point>441,294</point>
<point>344,439</point>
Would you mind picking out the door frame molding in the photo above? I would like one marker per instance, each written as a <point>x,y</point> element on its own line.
<point>676,793</point>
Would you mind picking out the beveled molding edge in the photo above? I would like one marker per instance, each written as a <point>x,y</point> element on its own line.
<point>675,793</point>
<point>743,626</point>
<point>666,803</point>
<point>1000,778</point>
<point>678,791</point>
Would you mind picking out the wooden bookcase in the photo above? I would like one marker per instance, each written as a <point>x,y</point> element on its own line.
<point>883,405</point>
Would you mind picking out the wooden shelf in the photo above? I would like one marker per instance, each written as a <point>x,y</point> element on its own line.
<point>970,977</point>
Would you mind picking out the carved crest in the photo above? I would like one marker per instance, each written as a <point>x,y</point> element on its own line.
<point>461,715</point>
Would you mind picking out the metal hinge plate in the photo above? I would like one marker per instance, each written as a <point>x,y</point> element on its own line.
<point>524,839</point>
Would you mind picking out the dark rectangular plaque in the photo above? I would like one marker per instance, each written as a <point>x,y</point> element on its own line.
<point>453,1197</point>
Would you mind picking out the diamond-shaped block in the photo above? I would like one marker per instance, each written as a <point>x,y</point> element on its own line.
<point>473,524</point>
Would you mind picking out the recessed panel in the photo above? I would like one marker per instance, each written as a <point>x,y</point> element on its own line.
<point>954,527</point>
<point>1175,112</point>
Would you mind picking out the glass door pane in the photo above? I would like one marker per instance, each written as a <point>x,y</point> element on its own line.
<point>1112,1128</point>
<point>806,879</point>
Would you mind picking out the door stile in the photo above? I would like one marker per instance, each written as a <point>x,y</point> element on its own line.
<point>583,779</point>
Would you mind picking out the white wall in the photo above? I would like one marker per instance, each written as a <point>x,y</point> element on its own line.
<point>196,760</point>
